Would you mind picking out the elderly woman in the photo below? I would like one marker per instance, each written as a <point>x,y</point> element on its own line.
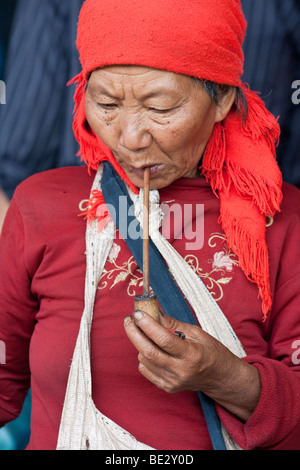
<point>160,89</point>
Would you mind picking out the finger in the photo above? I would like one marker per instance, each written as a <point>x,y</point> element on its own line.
<point>141,342</point>
<point>153,360</point>
<point>162,381</point>
<point>163,337</point>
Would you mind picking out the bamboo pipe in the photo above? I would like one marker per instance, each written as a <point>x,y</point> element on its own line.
<point>146,232</point>
<point>148,301</point>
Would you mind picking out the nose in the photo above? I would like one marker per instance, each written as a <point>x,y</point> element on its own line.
<point>134,133</point>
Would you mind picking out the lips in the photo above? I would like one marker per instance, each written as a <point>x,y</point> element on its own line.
<point>139,169</point>
<point>154,169</point>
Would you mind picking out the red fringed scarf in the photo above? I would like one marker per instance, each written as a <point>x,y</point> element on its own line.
<point>200,38</point>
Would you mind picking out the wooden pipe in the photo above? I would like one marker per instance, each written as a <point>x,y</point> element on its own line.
<point>147,302</point>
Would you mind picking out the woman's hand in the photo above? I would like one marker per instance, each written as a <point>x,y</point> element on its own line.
<point>198,362</point>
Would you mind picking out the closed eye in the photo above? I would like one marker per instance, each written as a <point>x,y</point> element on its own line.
<point>161,111</point>
<point>107,107</point>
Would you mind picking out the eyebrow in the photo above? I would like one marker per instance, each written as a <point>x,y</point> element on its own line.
<point>104,92</point>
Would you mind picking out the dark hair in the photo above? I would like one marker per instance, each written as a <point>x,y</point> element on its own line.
<point>217,91</point>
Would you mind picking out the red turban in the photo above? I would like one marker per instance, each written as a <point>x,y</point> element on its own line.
<point>203,39</point>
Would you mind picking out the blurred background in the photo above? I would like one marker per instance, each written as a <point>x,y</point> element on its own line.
<point>7,13</point>
<point>38,57</point>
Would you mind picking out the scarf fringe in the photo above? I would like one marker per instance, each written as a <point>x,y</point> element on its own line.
<point>253,257</point>
<point>225,167</point>
<point>264,192</point>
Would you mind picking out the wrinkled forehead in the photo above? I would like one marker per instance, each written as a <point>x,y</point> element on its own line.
<point>141,83</point>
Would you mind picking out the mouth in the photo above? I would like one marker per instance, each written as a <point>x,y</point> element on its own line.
<point>139,172</point>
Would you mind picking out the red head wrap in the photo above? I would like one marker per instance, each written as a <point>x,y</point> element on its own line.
<point>200,38</point>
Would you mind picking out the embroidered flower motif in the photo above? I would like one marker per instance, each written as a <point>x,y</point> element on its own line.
<point>221,261</point>
<point>127,272</point>
<point>214,279</point>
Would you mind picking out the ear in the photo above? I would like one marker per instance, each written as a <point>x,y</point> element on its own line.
<point>225,104</point>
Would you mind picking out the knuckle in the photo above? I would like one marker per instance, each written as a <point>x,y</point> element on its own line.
<point>141,368</point>
<point>171,390</point>
<point>165,341</point>
<point>149,353</point>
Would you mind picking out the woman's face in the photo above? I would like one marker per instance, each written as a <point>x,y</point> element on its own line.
<point>151,118</point>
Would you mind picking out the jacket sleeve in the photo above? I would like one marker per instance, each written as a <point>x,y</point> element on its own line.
<point>17,317</point>
<point>275,424</point>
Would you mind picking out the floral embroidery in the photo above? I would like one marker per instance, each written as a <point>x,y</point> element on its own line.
<point>128,271</point>
<point>221,261</point>
<point>222,264</point>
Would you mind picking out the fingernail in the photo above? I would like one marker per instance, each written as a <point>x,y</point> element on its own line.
<point>138,315</point>
<point>127,321</point>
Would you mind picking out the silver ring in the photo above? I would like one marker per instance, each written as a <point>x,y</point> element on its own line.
<point>180,334</point>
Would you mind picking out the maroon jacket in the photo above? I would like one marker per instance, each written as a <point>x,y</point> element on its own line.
<point>42,273</point>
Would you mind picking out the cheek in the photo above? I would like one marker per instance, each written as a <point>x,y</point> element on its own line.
<point>199,135</point>
<point>187,138</point>
<point>173,135</point>
<point>195,126</point>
